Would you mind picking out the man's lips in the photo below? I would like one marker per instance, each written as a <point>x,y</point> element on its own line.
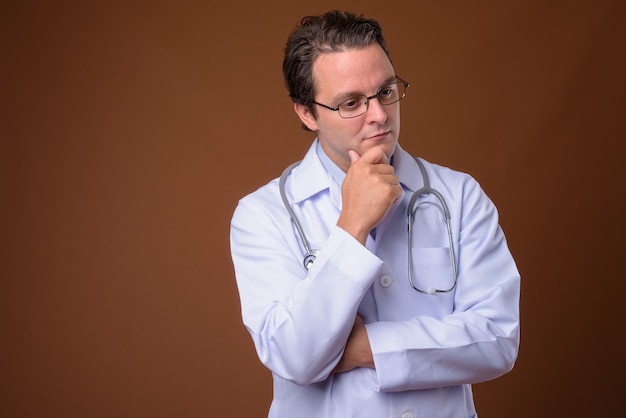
<point>378,136</point>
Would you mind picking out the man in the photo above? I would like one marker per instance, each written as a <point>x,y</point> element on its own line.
<point>384,322</point>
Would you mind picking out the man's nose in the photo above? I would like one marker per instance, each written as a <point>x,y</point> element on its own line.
<point>376,112</point>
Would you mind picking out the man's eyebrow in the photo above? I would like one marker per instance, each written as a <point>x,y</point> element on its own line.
<point>347,94</point>
<point>389,81</point>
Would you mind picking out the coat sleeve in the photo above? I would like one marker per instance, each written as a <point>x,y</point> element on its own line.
<point>479,340</point>
<point>299,321</point>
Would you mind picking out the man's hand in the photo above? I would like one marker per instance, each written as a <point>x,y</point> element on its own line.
<point>358,352</point>
<point>368,191</point>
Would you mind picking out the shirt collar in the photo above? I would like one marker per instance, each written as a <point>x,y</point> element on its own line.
<point>333,169</point>
<point>407,170</point>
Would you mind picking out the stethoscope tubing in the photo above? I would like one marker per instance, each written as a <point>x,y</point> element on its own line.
<point>426,189</point>
<point>311,254</point>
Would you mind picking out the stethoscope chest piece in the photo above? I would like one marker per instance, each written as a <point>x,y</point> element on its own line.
<point>310,258</point>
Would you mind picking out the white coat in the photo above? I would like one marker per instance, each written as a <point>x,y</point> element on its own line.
<point>428,349</point>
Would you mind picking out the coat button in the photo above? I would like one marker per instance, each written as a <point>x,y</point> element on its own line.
<point>385,280</point>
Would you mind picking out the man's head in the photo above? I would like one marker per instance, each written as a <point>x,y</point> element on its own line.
<point>343,84</point>
<point>333,31</point>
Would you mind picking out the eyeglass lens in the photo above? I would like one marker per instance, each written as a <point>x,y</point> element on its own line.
<point>356,106</point>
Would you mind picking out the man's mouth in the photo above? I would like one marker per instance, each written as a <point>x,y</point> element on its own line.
<point>379,135</point>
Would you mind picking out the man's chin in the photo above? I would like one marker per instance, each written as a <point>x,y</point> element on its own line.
<point>388,147</point>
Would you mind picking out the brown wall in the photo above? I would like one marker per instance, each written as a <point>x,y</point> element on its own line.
<point>129,131</point>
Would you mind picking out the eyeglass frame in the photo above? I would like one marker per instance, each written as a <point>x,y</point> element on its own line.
<point>368,98</point>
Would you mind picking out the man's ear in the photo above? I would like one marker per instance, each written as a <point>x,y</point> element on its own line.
<point>306,116</point>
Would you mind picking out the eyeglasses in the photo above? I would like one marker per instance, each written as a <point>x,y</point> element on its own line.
<point>358,105</point>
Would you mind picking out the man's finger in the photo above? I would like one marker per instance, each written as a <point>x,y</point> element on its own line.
<point>354,156</point>
<point>375,155</point>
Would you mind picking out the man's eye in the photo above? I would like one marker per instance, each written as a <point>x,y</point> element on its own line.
<point>351,103</point>
<point>386,92</point>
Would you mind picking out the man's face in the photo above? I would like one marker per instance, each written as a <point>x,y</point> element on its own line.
<point>338,76</point>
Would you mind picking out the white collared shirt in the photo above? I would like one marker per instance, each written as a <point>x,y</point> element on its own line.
<point>428,349</point>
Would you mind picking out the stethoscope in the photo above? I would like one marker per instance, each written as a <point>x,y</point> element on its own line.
<point>311,254</point>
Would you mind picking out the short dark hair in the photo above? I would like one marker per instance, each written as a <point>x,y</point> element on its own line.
<point>329,32</point>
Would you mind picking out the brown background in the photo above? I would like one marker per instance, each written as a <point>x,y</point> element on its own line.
<point>129,130</point>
